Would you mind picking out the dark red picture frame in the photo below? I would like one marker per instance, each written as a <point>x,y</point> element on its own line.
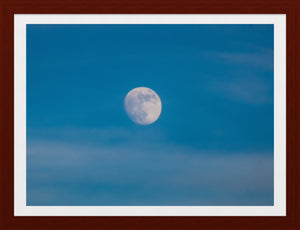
<point>10,7</point>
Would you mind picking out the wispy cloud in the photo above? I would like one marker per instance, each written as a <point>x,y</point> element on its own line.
<point>61,173</point>
<point>252,60</point>
<point>243,80</point>
<point>251,90</point>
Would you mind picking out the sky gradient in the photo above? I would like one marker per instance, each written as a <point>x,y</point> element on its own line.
<point>212,144</point>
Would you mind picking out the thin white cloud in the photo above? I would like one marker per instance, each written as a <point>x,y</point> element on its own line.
<point>263,60</point>
<point>252,90</point>
<point>58,167</point>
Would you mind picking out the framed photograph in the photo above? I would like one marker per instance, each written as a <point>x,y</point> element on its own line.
<point>149,116</point>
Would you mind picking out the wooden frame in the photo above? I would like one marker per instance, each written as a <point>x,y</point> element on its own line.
<point>10,7</point>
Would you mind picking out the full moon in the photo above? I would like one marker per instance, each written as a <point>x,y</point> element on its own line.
<point>142,105</point>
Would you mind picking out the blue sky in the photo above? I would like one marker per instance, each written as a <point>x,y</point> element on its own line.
<point>212,144</point>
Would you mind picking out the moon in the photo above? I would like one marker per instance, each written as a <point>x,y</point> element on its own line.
<point>142,105</point>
